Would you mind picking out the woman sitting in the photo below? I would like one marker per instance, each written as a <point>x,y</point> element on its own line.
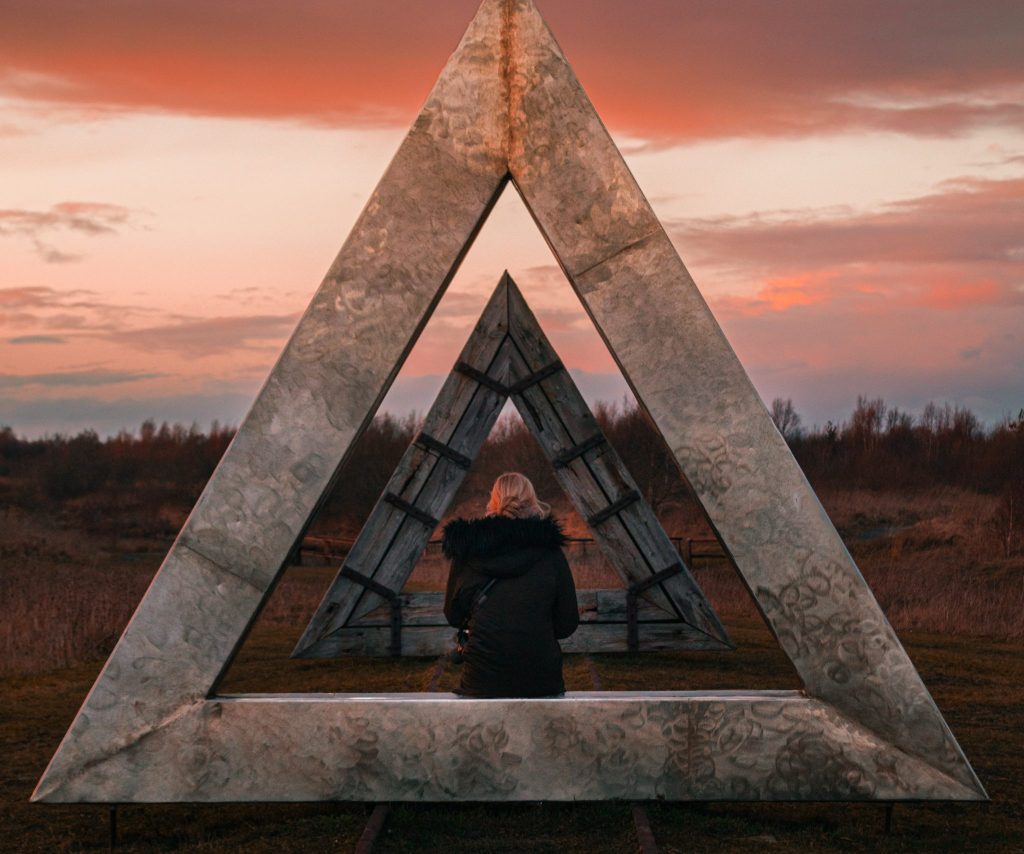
<point>510,582</point>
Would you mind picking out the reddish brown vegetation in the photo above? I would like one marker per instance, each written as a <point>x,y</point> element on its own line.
<point>143,485</point>
<point>932,510</point>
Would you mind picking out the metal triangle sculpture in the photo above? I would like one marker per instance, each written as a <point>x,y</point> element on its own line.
<point>508,356</point>
<point>507,107</point>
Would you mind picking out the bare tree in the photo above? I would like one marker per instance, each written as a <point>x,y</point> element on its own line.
<point>786,418</point>
<point>866,422</point>
<point>1007,520</point>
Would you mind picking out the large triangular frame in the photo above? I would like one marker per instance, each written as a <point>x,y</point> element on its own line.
<point>507,107</point>
<point>508,357</point>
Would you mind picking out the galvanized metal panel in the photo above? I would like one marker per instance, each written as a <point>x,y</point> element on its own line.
<point>428,747</point>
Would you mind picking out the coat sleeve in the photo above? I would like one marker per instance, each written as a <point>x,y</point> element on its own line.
<point>454,607</point>
<point>566,609</point>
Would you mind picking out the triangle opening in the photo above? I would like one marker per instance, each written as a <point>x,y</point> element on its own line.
<point>508,357</point>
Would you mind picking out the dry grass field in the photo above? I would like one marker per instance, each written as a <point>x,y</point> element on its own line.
<point>957,603</point>
<point>977,684</point>
<point>929,558</point>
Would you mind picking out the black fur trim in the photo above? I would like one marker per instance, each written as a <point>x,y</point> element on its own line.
<point>495,535</point>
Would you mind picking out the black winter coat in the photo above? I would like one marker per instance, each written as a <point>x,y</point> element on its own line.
<point>513,648</point>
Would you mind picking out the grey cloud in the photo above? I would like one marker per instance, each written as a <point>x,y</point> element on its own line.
<point>902,354</point>
<point>53,255</point>
<point>74,379</point>
<point>595,387</point>
<point>956,248</point>
<point>242,296</point>
<point>964,221</point>
<point>207,336</point>
<point>39,417</point>
<point>942,120</point>
<point>38,339</point>
<point>751,67</point>
<point>32,297</point>
<point>85,314</point>
<point>55,310</point>
<point>86,218</point>
<point>831,396</point>
<point>459,304</point>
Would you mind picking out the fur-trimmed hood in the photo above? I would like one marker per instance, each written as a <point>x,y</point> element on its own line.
<point>499,536</point>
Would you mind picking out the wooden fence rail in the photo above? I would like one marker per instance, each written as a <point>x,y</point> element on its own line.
<point>329,551</point>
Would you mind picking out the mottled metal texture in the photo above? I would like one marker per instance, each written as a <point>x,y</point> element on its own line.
<point>429,747</point>
<point>152,728</point>
<point>508,346</point>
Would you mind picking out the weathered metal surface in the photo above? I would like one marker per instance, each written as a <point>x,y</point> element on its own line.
<point>430,747</point>
<point>507,352</point>
<point>507,104</point>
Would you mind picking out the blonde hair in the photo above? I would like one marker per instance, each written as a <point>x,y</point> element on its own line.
<point>514,496</point>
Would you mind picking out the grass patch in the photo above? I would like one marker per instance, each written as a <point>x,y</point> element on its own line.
<point>957,605</point>
<point>977,684</point>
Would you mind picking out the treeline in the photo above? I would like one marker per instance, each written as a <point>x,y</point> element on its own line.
<point>171,461</point>
<point>882,447</point>
<point>143,483</point>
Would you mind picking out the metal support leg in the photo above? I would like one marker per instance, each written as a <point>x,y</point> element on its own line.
<point>890,808</point>
<point>113,829</point>
<point>644,834</point>
<point>373,828</point>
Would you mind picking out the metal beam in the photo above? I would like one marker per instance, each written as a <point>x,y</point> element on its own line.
<point>507,105</point>
<point>705,746</point>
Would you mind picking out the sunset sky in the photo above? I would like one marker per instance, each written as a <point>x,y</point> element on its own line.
<point>845,181</point>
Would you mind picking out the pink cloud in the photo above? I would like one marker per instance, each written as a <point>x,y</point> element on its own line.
<point>680,69</point>
<point>962,245</point>
<point>88,218</point>
<point>953,294</point>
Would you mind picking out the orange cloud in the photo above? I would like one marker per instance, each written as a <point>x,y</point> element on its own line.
<point>785,292</point>
<point>660,68</point>
<point>959,246</point>
<point>952,294</point>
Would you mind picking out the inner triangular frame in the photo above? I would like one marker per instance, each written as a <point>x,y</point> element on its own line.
<point>508,356</point>
<point>153,728</point>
